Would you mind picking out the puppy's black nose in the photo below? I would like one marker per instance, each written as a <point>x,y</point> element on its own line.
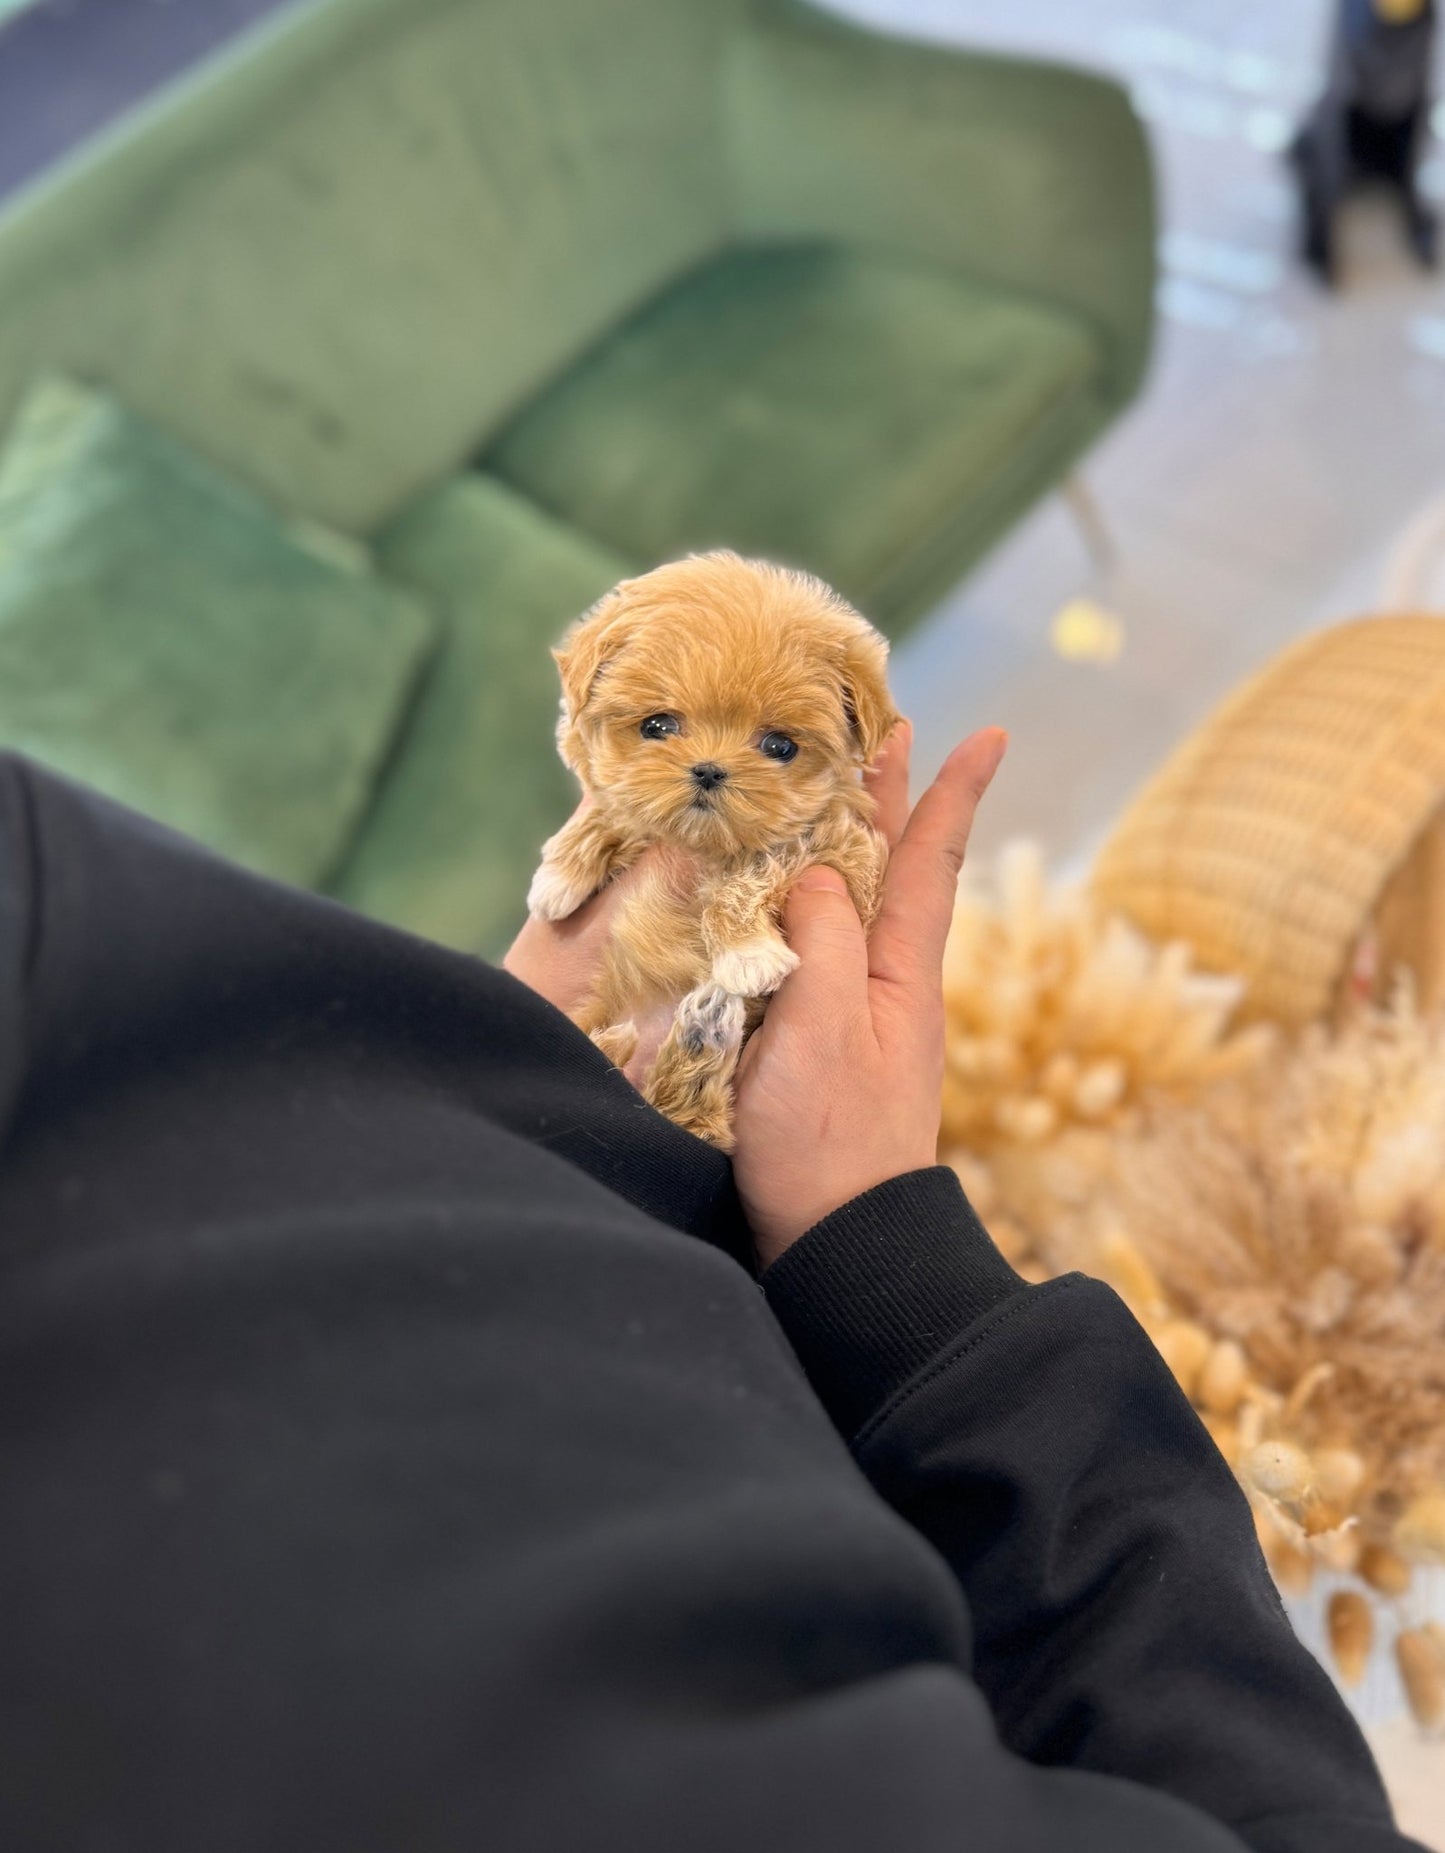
<point>708,775</point>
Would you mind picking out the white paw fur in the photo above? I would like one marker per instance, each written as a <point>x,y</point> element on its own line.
<point>710,1019</point>
<point>755,968</point>
<point>552,897</point>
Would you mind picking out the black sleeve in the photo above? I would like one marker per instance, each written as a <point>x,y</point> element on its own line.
<point>1124,1618</point>
<point>393,1453</point>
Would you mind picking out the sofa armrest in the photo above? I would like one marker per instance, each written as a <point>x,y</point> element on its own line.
<point>1032,175</point>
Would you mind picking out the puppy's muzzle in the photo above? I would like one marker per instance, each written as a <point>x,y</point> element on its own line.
<point>706,779</point>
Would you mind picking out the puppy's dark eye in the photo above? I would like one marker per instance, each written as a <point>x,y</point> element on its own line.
<point>659,726</point>
<point>778,746</point>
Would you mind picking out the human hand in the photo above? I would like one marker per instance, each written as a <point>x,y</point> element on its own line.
<point>561,959</point>
<point>841,1086</point>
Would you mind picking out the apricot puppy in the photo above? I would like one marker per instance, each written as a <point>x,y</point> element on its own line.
<point>725,708</point>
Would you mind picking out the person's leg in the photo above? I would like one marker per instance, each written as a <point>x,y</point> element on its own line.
<point>1320,157</point>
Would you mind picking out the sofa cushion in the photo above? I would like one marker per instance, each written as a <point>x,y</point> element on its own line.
<point>167,639</point>
<point>451,846</point>
<point>829,407</point>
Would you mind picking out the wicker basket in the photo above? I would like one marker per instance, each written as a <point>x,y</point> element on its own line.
<point>1298,837</point>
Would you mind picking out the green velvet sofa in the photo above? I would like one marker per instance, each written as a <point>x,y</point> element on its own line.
<point>527,294</point>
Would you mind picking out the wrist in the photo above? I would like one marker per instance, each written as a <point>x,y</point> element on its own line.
<point>881,1285</point>
<point>776,1230</point>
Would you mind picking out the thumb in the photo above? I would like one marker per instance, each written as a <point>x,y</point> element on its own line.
<point>824,930</point>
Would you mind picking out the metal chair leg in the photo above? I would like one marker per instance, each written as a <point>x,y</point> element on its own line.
<point>1089,519</point>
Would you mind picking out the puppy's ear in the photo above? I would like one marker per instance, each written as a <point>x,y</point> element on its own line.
<point>866,700</point>
<point>587,647</point>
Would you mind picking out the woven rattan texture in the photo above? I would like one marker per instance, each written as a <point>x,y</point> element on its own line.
<point>1265,840</point>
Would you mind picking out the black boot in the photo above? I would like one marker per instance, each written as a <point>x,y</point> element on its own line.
<point>1316,206</point>
<point>1422,228</point>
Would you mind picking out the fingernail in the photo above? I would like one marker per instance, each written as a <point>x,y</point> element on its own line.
<point>1000,747</point>
<point>820,880</point>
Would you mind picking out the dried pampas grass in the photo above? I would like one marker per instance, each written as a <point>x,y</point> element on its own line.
<point>1298,1214</point>
<point>1273,1211</point>
<point>1059,1015</point>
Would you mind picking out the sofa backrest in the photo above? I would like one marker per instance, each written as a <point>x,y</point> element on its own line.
<point>338,256</point>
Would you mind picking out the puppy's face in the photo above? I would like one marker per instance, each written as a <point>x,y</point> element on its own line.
<point>722,702</point>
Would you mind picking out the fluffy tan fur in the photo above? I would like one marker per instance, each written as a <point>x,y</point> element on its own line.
<point>733,652</point>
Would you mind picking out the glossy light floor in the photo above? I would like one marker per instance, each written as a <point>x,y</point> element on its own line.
<point>1284,440</point>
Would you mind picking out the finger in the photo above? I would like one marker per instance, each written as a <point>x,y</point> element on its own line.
<point>585,928</point>
<point>830,985</point>
<point>561,958</point>
<point>557,958</point>
<point>921,887</point>
<point>887,779</point>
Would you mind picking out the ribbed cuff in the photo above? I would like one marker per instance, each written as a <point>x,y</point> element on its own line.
<point>876,1290</point>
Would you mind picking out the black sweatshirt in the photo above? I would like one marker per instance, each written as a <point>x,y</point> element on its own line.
<point>399,1453</point>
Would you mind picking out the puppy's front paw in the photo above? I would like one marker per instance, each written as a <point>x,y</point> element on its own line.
<point>755,968</point>
<point>710,1020</point>
<point>552,896</point>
